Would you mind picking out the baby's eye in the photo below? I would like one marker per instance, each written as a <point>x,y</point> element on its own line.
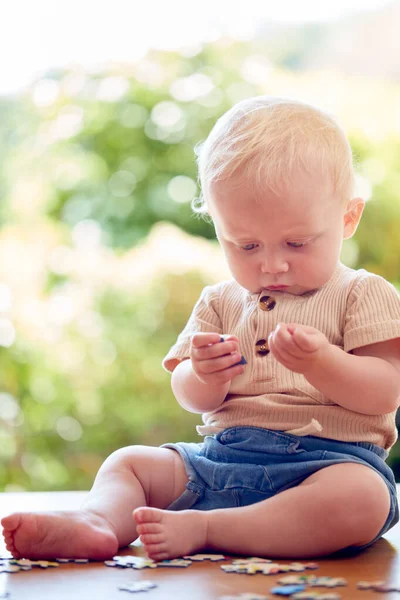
<point>296,244</point>
<point>248,247</point>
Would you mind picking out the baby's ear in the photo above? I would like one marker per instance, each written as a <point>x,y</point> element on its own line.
<point>352,216</point>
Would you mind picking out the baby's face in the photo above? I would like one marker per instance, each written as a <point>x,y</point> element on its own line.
<point>289,241</point>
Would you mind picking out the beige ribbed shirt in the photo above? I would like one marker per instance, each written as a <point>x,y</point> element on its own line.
<point>353,309</point>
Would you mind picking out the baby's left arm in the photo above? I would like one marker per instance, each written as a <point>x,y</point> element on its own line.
<point>366,381</point>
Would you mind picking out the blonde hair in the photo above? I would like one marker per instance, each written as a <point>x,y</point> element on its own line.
<point>267,138</point>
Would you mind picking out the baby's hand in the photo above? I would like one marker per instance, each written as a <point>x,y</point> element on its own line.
<point>297,347</point>
<point>213,361</point>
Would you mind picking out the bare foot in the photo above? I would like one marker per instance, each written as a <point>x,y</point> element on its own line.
<point>69,534</point>
<point>168,534</point>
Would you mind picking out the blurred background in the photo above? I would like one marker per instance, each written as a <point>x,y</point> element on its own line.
<point>101,258</point>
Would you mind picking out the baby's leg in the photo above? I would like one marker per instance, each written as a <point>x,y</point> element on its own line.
<point>339,506</point>
<point>130,477</point>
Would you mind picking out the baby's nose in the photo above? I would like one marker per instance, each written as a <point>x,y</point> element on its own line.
<point>274,265</point>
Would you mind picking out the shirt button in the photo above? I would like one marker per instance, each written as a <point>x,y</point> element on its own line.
<point>267,303</point>
<point>262,347</point>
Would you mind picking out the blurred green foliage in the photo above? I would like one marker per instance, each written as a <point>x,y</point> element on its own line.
<point>113,151</point>
<point>73,418</point>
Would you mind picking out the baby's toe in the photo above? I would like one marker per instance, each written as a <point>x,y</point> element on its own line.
<point>157,551</point>
<point>145,514</point>
<point>149,528</point>
<point>151,538</point>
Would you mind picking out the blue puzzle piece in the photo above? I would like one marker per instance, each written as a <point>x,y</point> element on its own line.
<point>288,590</point>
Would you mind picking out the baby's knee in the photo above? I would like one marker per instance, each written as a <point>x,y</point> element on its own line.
<point>365,505</point>
<point>125,458</point>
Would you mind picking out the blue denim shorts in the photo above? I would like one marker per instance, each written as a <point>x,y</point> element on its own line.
<point>243,465</point>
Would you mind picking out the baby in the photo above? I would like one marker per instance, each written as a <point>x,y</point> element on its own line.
<point>292,463</point>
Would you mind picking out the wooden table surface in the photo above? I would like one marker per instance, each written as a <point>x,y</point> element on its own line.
<point>200,581</point>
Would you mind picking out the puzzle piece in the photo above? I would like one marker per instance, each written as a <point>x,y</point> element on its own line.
<point>9,568</point>
<point>133,562</point>
<point>378,586</point>
<point>175,562</point>
<point>252,568</point>
<point>311,565</point>
<point>137,586</point>
<point>295,579</point>
<point>327,581</point>
<point>27,564</point>
<point>80,560</point>
<point>64,560</point>
<point>253,559</point>
<point>287,590</point>
<point>315,596</point>
<point>201,557</point>
<point>297,566</point>
<point>245,596</point>
<point>14,565</point>
<point>386,587</point>
<point>368,585</point>
<point>313,581</point>
<point>72,560</point>
<point>264,566</point>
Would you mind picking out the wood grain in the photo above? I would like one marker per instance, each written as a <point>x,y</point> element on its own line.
<point>200,581</point>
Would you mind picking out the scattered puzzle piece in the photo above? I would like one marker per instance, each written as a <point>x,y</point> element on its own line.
<point>287,590</point>
<point>294,579</point>
<point>315,596</point>
<point>368,585</point>
<point>296,566</point>
<point>253,559</point>
<point>313,581</point>
<point>137,586</point>
<point>327,581</point>
<point>201,557</point>
<point>80,560</point>
<point>14,565</point>
<point>43,564</point>
<point>245,596</point>
<point>4,568</point>
<point>72,560</point>
<point>133,562</point>
<point>386,587</point>
<point>175,562</point>
<point>64,560</point>
<point>252,566</point>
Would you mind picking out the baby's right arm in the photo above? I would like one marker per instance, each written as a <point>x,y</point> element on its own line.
<point>201,383</point>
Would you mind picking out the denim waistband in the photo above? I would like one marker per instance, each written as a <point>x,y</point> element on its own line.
<point>256,439</point>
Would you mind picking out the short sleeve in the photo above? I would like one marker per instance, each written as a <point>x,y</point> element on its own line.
<point>373,312</point>
<point>203,318</point>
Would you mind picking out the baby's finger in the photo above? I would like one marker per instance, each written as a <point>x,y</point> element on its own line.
<point>223,376</point>
<point>282,343</point>
<point>227,337</point>
<point>282,337</point>
<point>214,350</point>
<point>280,353</point>
<point>219,364</point>
<point>304,340</point>
<point>201,339</point>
